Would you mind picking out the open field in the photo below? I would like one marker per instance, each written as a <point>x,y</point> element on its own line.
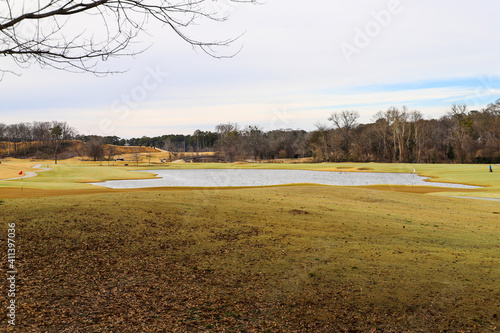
<point>272,259</point>
<point>294,258</point>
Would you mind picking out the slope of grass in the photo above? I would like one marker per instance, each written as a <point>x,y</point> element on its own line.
<point>281,259</point>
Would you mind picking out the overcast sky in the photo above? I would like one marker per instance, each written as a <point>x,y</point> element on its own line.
<point>300,61</point>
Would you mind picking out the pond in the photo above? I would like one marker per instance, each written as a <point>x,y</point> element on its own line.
<point>265,177</point>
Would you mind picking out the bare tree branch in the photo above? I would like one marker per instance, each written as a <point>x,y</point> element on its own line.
<point>62,33</point>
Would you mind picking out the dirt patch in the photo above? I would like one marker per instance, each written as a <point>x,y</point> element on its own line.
<point>298,212</point>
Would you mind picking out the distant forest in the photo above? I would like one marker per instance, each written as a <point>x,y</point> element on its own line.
<point>395,135</point>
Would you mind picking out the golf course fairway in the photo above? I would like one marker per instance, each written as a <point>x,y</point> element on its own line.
<point>292,258</point>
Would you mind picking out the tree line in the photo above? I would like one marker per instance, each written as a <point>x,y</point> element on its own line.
<point>37,138</point>
<point>400,135</point>
<point>395,135</point>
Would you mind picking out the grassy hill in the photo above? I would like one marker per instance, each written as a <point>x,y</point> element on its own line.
<point>68,149</point>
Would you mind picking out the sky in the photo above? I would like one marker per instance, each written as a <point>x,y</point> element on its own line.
<point>299,62</point>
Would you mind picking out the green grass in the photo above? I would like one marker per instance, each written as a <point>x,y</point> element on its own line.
<point>279,259</point>
<point>75,176</point>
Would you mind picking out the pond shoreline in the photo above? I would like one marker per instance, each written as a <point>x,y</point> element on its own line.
<point>473,198</point>
<point>268,177</point>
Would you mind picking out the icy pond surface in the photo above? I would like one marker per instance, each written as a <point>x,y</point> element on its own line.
<point>262,177</point>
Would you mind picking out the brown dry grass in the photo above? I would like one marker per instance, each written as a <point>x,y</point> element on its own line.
<point>133,149</point>
<point>279,259</point>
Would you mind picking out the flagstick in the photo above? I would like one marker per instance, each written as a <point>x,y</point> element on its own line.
<point>22,178</point>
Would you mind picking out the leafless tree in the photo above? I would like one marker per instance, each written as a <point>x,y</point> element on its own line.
<point>396,122</point>
<point>401,130</point>
<point>255,141</point>
<point>110,152</point>
<point>229,141</point>
<point>490,129</point>
<point>286,143</point>
<point>345,121</point>
<point>382,133</point>
<point>149,156</point>
<point>459,133</point>
<point>418,134</point>
<point>136,157</point>
<point>171,148</point>
<point>320,143</point>
<point>56,133</point>
<point>78,34</point>
<point>95,148</point>
<point>41,132</point>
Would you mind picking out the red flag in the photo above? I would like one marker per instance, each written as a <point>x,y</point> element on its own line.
<point>21,173</point>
